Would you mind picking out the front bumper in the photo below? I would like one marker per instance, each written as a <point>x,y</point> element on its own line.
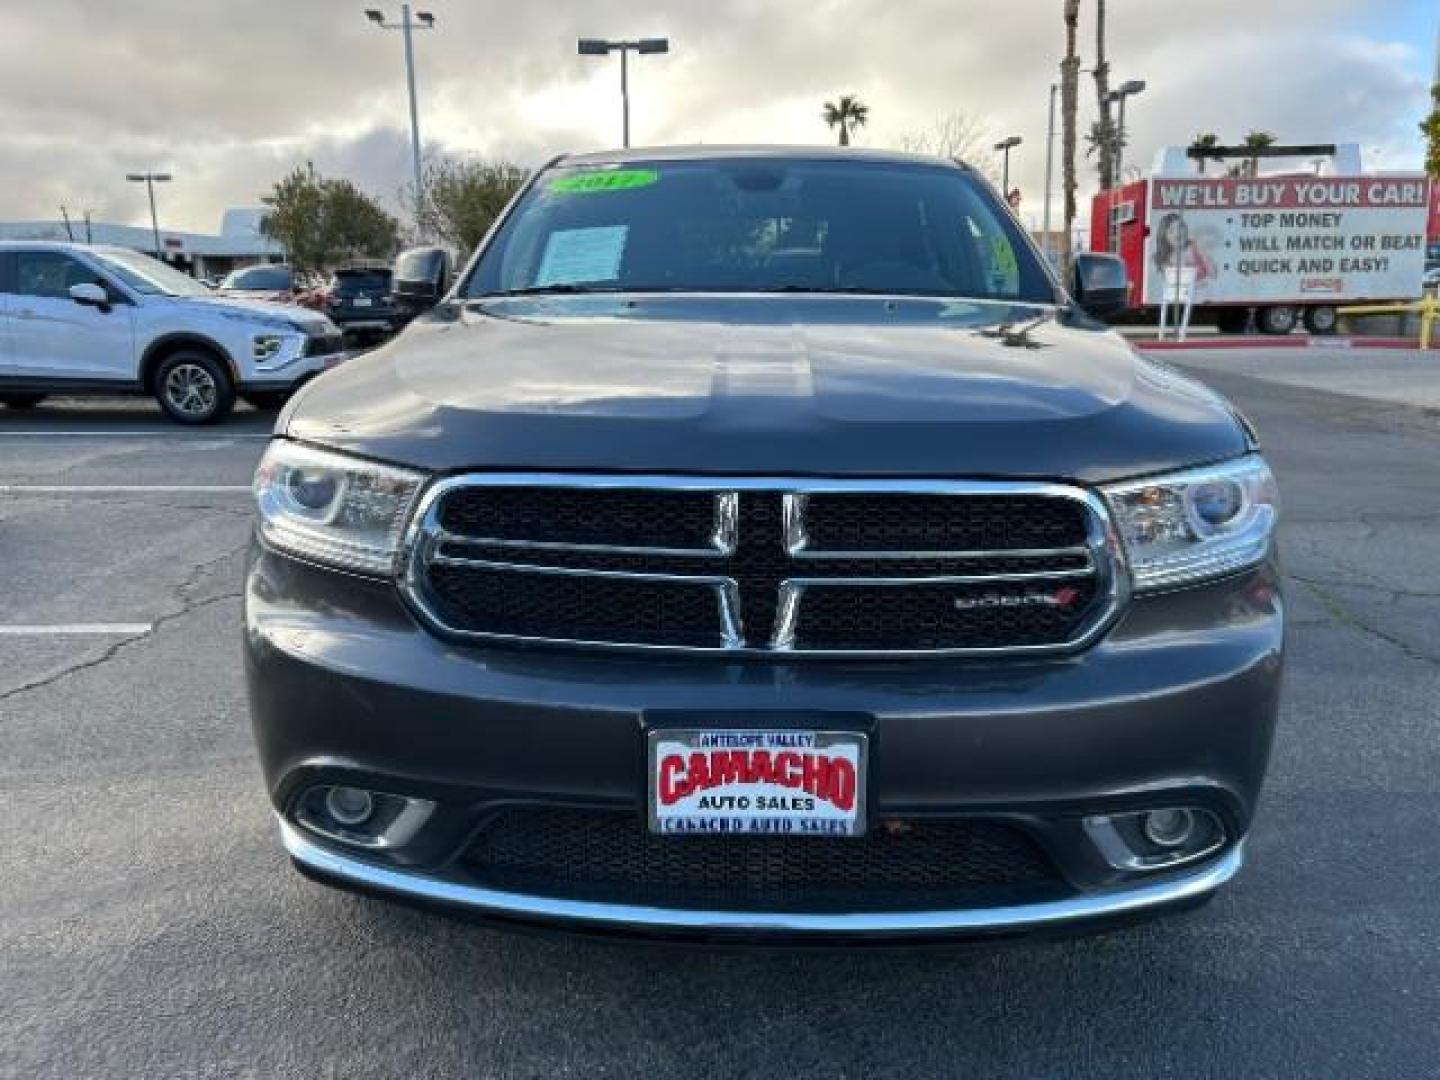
<point>1072,913</point>
<point>1176,705</point>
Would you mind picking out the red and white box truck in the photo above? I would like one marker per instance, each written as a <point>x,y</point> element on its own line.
<point>1284,248</point>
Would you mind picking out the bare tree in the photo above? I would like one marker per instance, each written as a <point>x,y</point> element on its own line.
<point>1069,92</point>
<point>956,135</point>
<point>1105,131</point>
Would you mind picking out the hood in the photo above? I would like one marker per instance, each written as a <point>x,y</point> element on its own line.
<point>311,321</point>
<point>835,386</point>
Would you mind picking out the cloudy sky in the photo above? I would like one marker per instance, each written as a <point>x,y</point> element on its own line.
<point>229,95</point>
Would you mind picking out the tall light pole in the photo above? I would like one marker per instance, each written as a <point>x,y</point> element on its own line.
<point>150,179</point>
<point>1127,90</point>
<point>423,20</point>
<point>1049,170</point>
<point>644,46</point>
<point>1004,146</point>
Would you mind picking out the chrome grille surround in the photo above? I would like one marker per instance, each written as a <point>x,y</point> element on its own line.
<point>426,537</point>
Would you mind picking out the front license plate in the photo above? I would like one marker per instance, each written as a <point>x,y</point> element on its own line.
<point>779,783</point>
<point>361,301</point>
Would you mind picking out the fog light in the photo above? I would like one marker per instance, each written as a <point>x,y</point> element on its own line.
<point>360,817</point>
<point>1159,839</point>
<point>349,806</point>
<point>1169,828</point>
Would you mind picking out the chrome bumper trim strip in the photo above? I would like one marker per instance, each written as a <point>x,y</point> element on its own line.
<point>1052,913</point>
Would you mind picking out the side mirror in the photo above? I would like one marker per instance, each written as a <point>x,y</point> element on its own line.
<point>90,295</point>
<point>1100,284</point>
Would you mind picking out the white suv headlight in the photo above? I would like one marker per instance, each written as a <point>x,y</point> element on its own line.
<point>334,509</point>
<point>1202,523</point>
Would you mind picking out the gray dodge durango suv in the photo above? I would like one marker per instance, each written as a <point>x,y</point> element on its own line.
<point>762,541</point>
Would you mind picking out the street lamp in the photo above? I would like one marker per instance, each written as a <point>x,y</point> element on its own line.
<point>644,46</point>
<point>1004,147</point>
<point>423,20</point>
<point>1117,97</point>
<point>150,179</point>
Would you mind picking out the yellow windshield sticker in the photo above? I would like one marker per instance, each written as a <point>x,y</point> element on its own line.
<point>604,180</point>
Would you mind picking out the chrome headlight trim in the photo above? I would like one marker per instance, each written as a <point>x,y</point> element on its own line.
<point>1187,527</point>
<point>334,509</point>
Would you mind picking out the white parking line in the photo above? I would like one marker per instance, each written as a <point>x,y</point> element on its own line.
<point>124,489</point>
<point>118,629</point>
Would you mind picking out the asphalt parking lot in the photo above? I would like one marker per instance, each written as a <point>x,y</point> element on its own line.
<point>152,928</point>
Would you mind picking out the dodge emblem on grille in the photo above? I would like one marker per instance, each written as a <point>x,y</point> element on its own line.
<point>1061,597</point>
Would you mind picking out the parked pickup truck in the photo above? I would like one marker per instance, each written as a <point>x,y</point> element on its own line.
<point>81,319</point>
<point>764,542</point>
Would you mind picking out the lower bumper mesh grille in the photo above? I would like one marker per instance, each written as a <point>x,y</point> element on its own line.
<point>609,855</point>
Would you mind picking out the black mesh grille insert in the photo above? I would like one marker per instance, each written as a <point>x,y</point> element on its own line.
<point>623,517</point>
<point>898,521</point>
<point>960,616</point>
<point>574,608</point>
<point>610,855</point>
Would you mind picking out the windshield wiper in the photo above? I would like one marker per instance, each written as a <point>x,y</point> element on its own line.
<point>556,289</point>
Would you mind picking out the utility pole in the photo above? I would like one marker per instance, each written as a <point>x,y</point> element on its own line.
<point>69,234</point>
<point>423,21</point>
<point>1049,172</point>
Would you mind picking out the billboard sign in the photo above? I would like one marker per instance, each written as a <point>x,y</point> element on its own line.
<point>1286,239</point>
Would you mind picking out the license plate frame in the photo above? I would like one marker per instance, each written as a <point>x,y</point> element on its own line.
<point>831,814</point>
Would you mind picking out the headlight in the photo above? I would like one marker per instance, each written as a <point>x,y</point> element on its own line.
<point>1189,526</point>
<point>333,509</point>
<point>267,346</point>
<point>269,322</point>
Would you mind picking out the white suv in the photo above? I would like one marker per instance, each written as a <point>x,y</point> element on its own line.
<point>76,318</point>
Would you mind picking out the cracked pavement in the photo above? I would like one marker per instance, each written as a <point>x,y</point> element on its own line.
<point>152,928</point>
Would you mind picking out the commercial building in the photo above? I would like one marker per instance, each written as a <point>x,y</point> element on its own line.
<point>238,243</point>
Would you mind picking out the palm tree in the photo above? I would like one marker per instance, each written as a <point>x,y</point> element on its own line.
<point>1105,143</point>
<point>1257,140</point>
<point>1205,141</point>
<point>847,114</point>
<point>1106,147</point>
<point>1430,129</point>
<point>1069,91</point>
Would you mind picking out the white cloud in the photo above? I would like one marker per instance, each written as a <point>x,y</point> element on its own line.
<point>230,96</point>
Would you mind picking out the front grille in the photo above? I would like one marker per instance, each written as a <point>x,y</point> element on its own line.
<point>613,517</point>
<point>907,522</point>
<point>942,617</point>
<point>609,855</point>
<point>784,567</point>
<point>324,344</point>
<point>521,603</point>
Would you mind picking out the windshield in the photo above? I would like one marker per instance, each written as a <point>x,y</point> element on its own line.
<point>149,277</point>
<point>420,264</point>
<point>765,224</point>
<point>259,278</point>
<point>360,281</point>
